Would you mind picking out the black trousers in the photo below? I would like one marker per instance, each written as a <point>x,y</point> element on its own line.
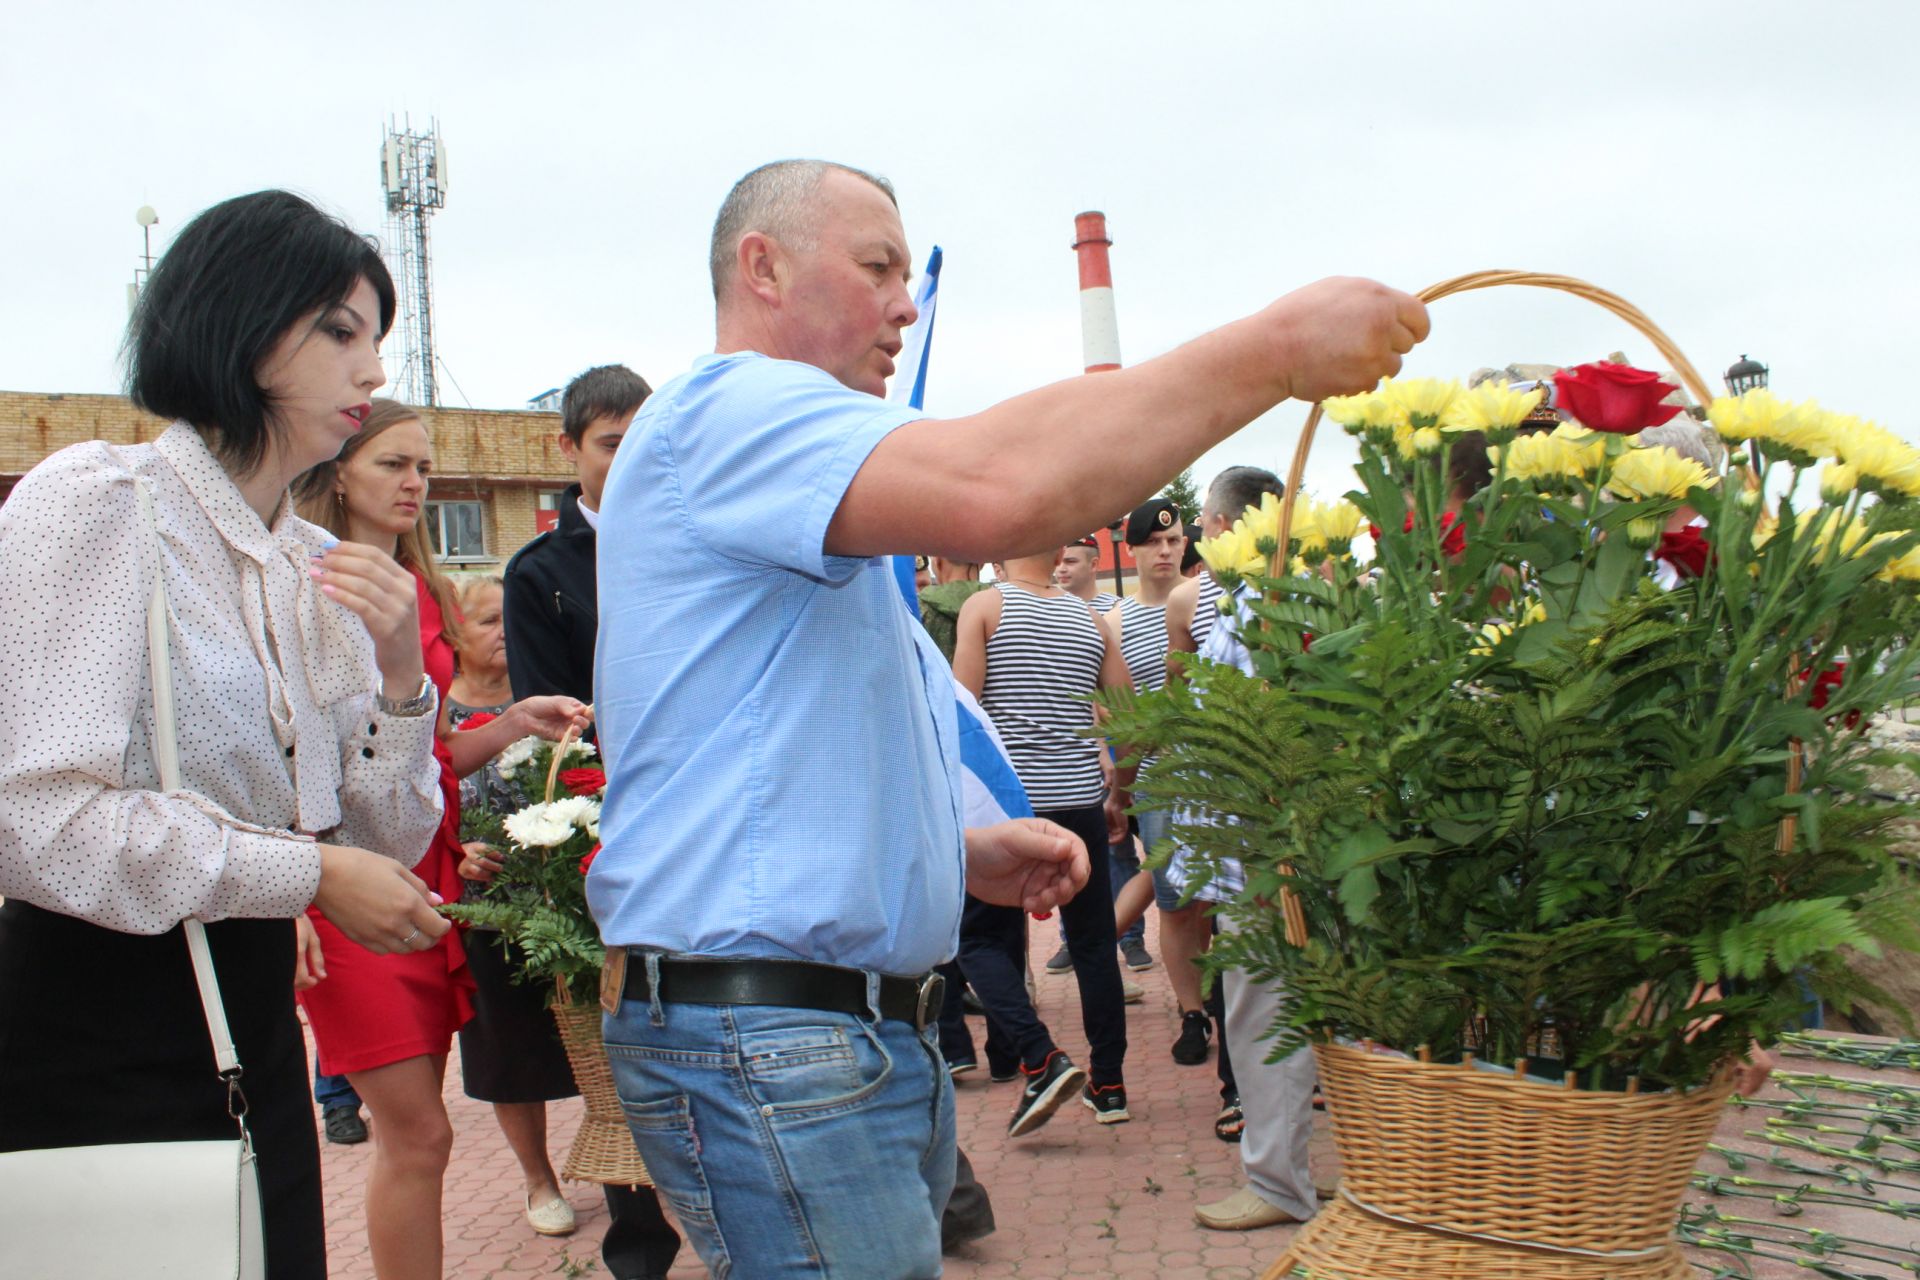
<point>993,944</point>
<point>640,1243</point>
<point>102,1039</point>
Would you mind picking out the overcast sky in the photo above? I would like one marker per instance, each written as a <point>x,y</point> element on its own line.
<point>1745,172</point>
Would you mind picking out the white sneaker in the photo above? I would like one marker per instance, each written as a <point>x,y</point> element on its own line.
<point>1131,992</point>
<point>554,1218</point>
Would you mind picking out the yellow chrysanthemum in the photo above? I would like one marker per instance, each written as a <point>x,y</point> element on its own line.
<point>1747,417</point>
<point>1847,535</point>
<point>1306,525</point>
<point>1640,475</point>
<point>1536,612</point>
<point>1492,406</point>
<point>1340,522</point>
<point>1426,441</point>
<point>1232,554</point>
<point>1586,449</point>
<point>1537,457</point>
<point>1422,400</point>
<point>1263,522</point>
<point>1902,568</point>
<point>1881,461</point>
<point>1764,527</point>
<point>1838,481</point>
<point>1368,409</point>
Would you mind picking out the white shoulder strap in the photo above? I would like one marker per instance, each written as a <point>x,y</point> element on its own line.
<point>166,750</point>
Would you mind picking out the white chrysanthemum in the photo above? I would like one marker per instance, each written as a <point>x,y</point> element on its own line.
<point>536,827</point>
<point>575,811</point>
<point>516,754</point>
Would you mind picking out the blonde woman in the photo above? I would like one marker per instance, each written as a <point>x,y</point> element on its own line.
<point>387,1022</point>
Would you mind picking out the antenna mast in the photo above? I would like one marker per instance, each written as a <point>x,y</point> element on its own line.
<point>413,173</point>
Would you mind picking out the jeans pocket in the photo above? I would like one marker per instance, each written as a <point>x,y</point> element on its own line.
<point>813,1071</point>
<point>663,1132</point>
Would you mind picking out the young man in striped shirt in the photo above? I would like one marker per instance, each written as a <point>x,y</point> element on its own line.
<point>1031,653</point>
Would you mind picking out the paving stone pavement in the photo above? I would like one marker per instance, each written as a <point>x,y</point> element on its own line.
<point>1074,1198</point>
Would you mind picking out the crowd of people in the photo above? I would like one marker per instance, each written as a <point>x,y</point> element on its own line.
<point>790,892</point>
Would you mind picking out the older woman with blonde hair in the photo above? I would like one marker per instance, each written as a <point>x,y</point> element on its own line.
<point>387,1022</point>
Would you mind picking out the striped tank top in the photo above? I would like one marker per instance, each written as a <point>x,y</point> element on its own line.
<point>1206,609</point>
<point>1042,662</point>
<point>1143,642</point>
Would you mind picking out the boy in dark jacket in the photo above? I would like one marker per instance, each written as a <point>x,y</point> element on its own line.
<point>551,614</point>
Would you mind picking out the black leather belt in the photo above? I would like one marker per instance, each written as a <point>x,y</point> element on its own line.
<point>793,984</point>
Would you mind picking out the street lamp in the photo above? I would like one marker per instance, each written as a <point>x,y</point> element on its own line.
<point>1746,375</point>
<point>1113,536</point>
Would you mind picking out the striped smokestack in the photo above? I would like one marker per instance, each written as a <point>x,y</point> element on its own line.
<point>1099,329</point>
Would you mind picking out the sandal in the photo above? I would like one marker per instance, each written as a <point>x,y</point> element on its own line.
<point>1230,1123</point>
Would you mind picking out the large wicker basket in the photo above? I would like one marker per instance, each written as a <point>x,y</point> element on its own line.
<point>1455,1173</point>
<point>602,1150</point>
<point>1451,1172</point>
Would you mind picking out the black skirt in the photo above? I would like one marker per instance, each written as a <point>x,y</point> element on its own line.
<point>510,1050</point>
<point>102,1039</point>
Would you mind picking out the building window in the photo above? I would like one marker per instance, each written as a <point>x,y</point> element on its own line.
<point>546,510</point>
<point>458,530</point>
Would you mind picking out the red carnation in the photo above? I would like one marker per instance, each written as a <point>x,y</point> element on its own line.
<point>586,863</point>
<point>584,782</point>
<point>1828,683</point>
<point>1686,550</point>
<point>1616,398</point>
<point>477,719</point>
<point>1453,534</point>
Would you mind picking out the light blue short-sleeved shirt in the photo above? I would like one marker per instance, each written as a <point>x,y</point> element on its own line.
<point>779,733</point>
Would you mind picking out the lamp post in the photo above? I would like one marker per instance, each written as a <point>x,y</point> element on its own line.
<point>1746,375</point>
<point>1113,532</point>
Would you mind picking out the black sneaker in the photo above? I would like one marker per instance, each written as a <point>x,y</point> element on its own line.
<point>344,1126</point>
<point>1046,1089</point>
<point>957,1067</point>
<point>1062,960</point>
<point>1136,954</point>
<point>970,1003</point>
<point>1196,1028</point>
<point>1108,1102</point>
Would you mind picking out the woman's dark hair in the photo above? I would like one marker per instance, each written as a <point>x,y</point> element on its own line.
<point>1469,470</point>
<point>234,281</point>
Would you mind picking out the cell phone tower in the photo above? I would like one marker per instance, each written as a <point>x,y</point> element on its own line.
<point>413,173</point>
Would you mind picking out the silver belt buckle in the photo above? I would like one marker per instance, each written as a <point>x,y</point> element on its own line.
<point>933,993</point>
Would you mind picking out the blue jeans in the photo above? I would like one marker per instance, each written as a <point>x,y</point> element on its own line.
<point>790,1142</point>
<point>333,1091</point>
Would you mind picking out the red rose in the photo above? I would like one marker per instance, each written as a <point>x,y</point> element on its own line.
<point>477,719</point>
<point>586,863</point>
<point>1614,397</point>
<point>1686,550</point>
<point>584,782</point>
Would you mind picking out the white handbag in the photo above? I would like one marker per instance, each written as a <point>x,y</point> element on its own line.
<point>189,1210</point>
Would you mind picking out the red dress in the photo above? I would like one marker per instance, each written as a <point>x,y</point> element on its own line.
<point>371,1010</point>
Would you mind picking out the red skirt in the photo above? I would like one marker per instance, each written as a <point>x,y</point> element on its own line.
<point>372,1011</point>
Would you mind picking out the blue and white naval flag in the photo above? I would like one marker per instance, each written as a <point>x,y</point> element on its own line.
<point>991,790</point>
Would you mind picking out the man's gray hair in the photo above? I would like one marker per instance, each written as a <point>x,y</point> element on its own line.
<point>776,199</point>
<point>1237,488</point>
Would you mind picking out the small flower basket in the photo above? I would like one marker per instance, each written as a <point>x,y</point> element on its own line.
<point>538,901</point>
<point>1570,780</point>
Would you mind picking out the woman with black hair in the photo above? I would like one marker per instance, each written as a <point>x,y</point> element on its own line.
<point>305,723</point>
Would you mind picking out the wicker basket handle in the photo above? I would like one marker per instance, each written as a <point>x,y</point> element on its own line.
<point>1613,302</point>
<point>559,754</point>
<point>1296,923</point>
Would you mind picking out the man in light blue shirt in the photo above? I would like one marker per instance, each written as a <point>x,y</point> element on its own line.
<point>783,848</point>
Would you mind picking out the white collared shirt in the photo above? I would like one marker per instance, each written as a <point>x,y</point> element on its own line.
<point>279,737</point>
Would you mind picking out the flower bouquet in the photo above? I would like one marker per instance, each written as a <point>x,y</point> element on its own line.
<point>538,903</point>
<point>1566,778</point>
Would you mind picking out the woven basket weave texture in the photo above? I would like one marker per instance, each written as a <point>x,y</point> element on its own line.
<point>1498,1177</point>
<point>602,1149</point>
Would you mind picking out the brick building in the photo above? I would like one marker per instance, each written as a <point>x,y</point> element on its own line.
<point>496,482</point>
